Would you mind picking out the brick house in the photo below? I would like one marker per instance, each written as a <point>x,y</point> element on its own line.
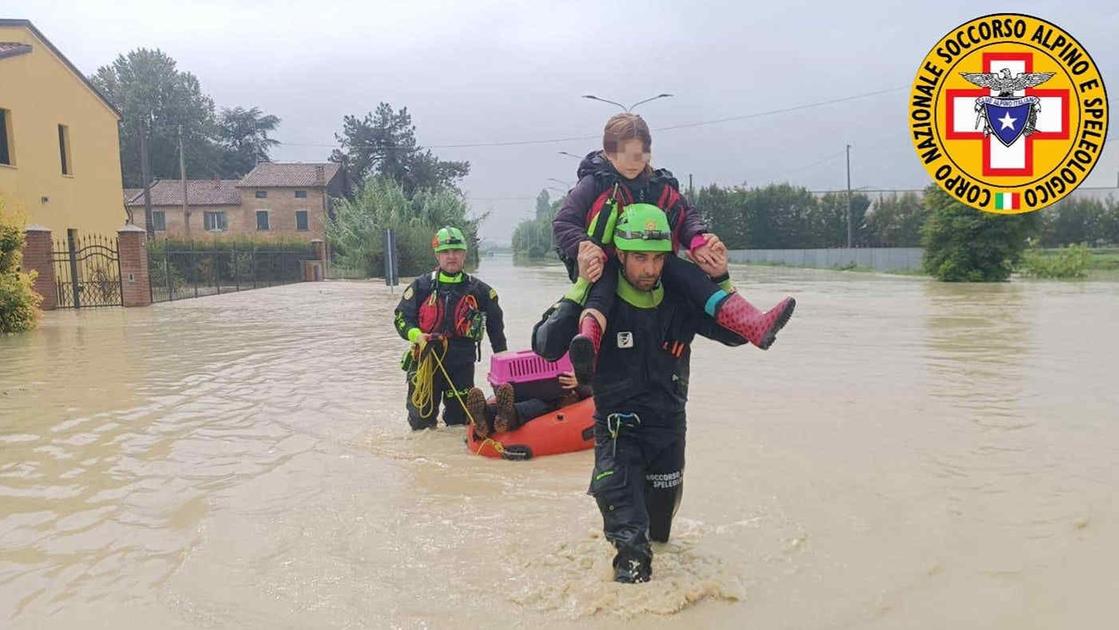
<point>289,199</point>
<point>209,202</point>
<point>274,199</point>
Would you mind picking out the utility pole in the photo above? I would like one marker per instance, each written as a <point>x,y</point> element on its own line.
<point>145,175</point>
<point>848,196</point>
<point>182,175</point>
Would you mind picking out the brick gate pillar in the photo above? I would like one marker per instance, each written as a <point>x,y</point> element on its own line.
<point>135,282</point>
<point>315,270</point>
<point>37,249</point>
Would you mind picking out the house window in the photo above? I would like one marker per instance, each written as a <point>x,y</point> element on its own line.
<point>159,221</point>
<point>301,194</point>
<point>262,194</point>
<point>214,221</point>
<point>6,137</point>
<point>64,149</point>
<point>301,220</point>
<point>262,220</point>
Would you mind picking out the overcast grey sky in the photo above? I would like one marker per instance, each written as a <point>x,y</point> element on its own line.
<point>490,71</point>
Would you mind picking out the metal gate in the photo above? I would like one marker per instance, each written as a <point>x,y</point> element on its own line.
<point>87,269</point>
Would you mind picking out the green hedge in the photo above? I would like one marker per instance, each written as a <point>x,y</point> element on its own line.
<point>1070,262</point>
<point>241,244</point>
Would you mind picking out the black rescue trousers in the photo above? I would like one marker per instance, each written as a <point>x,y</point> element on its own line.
<point>638,481</point>
<point>462,379</point>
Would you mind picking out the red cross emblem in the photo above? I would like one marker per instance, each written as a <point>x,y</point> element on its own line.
<point>1018,158</point>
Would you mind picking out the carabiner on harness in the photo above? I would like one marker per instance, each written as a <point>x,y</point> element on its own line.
<point>614,424</point>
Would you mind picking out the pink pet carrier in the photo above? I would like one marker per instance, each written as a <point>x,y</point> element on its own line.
<point>530,374</point>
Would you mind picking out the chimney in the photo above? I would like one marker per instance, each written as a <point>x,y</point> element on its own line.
<point>320,174</point>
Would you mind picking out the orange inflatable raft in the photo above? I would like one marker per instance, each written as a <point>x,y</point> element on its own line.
<point>565,430</point>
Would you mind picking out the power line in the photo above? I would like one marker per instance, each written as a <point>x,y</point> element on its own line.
<point>823,160</point>
<point>716,121</point>
<point>784,109</point>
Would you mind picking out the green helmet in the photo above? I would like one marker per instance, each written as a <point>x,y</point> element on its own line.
<point>643,228</point>
<point>448,238</point>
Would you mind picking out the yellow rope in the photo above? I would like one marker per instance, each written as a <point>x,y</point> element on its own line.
<point>424,390</point>
<point>451,384</point>
<point>423,381</point>
<point>497,446</point>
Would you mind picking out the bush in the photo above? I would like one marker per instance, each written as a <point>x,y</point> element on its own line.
<point>357,230</point>
<point>159,270</point>
<point>176,263</point>
<point>963,244</point>
<point>1070,262</point>
<point>19,304</point>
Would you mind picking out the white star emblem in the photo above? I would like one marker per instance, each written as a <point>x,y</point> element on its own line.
<point>1007,121</point>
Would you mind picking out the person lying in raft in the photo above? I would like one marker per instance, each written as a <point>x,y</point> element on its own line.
<point>507,413</point>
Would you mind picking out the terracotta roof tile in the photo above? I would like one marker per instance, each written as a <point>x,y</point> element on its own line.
<point>272,174</point>
<point>200,192</point>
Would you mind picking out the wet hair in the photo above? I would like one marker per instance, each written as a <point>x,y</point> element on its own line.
<point>622,127</point>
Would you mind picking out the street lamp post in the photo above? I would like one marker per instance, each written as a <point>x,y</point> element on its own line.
<point>624,108</point>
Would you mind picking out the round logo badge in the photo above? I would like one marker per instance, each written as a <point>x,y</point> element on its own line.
<point>1008,113</point>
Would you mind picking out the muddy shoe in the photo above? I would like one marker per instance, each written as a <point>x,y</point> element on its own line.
<point>476,407</point>
<point>630,569</point>
<point>739,316</point>
<point>506,417</point>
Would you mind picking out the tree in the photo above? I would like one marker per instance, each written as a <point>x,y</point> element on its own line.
<point>1109,222</point>
<point>963,244</point>
<point>383,143</point>
<point>723,209</point>
<point>828,221</point>
<point>896,221</point>
<point>543,205</point>
<point>153,94</point>
<point>244,139</point>
<point>532,238</point>
<point>357,229</point>
<point>778,216</point>
<point>1071,221</point>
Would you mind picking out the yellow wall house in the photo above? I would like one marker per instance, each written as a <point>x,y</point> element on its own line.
<point>59,147</point>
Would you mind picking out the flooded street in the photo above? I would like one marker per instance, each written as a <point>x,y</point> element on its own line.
<point>909,454</point>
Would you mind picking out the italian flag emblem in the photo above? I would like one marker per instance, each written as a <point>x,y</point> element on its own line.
<point>1007,201</point>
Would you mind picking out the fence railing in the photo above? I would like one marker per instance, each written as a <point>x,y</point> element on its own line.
<point>180,272</point>
<point>87,270</point>
<point>877,258</point>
